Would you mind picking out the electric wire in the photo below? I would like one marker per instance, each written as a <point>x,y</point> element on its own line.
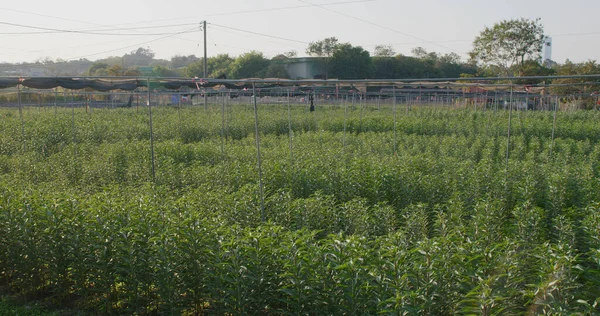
<point>377,25</point>
<point>53,30</point>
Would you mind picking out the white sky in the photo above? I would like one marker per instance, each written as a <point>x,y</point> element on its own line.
<point>437,25</point>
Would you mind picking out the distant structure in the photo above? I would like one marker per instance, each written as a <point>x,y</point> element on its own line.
<point>548,51</point>
<point>305,68</point>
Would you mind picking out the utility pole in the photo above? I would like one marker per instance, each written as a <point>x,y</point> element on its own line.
<point>205,66</point>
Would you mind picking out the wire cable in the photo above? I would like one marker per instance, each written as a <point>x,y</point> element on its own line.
<point>53,30</point>
<point>260,34</point>
<point>91,31</point>
<point>137,45</point>
<point>377,25</point>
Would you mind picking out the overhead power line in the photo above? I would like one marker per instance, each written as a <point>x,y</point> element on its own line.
<point>191,17</point>
<point>92,31</point>
<point>101,32</point>
<point>259,34</point>
<point>286,8</point>
<point>136,45</point>
<point>375,24</point>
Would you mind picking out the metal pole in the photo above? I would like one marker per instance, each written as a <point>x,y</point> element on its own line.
<point>223,125</point>
<point>73,116</point>
<point>361,113</point>
<point>553,127</point>
<point>496,99</point>
<point>315,111</point>
<point>205,66</point>
<point>345,119</point>
<point>394,109</point>
<point>55,97</point>
<point>151,135</point>
<point>21,116</point>
<point>178,113</point>
<point>509,123</point>
<point>260,182</point>
<point>291,134</point>
<point>74,134</point>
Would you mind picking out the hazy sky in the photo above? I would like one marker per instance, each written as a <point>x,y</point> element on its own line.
<point>437,25</point>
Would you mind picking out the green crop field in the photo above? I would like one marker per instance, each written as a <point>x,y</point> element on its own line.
<point>366,211</point>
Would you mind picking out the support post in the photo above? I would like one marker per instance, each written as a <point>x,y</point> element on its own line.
<point>395,121</point>
<point>205,66</point>
<point>257,133</point>
<point>223,139</point>
<point>74,135</point>
<point>291,132</point>
<point>509,123</point>
<point>345,119</point>
<point>553,128</point>
<point>178,114</point>
<point>151,134</point>
<point>21,117</point>
<point>55,97</point>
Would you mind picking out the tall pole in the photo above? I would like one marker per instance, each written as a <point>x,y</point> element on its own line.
<point>223,139</point>
<point>553,127</point>
<point>395,121</point>
<point>55,97</point>
<point>151,135</point>
<point>260,182</point>
<point>290,131</point>
<point>205,66</point>
<point>345,119</point>
<point>21,117</point>
<point>508,133</point>
<point>74,134</point>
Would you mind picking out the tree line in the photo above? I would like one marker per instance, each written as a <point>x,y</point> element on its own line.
<point>509,48</point>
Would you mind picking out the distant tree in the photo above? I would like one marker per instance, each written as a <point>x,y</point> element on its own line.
<point>409,67</point>
<point>452,58</point>
<point>276,68</point>
<point>115,70</point>
<point>162,71</point>
<point>419,52</point>
<point>324,48</point>
<point>384,62</point>
<point>249,65</point>
<point>291,54</point>
<point>179,61</point>
<point>145,52</point>
<point>533,68</point>
<point>101,72</point>
<point>220,65</point>
<point>217,66</point>
<point>95,68</point>
<point>384,67</point>
<point>279,57</point>
<point>112,60</point>
<point>451,66</point>
<point>351,62</point>
<point>195,69</point>
<point>159,62</point>
<point>509,44</point>
<point>579,85</point>
<point>139,57</point>
<point>132,72</point>
<point>384,51</point>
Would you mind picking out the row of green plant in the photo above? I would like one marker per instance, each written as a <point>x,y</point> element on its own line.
<point>361,218</point>
<point>44,131</point>
<point>118,253</point>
